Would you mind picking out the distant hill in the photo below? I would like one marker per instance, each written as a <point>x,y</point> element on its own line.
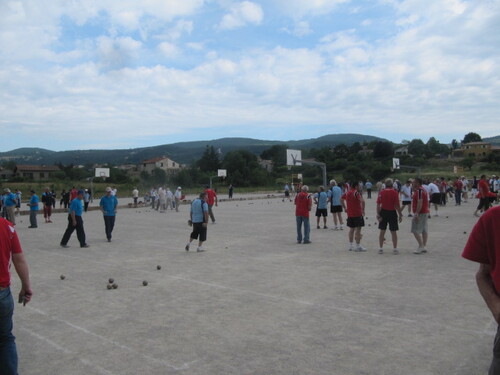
<point>493,140</point>
<point>182,152</point>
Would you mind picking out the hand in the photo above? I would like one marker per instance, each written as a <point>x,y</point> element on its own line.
<point>25,296</point>
<point>204,225</point>
<point>74,223</point>
<point>400,218</point>
<point>415,218</point>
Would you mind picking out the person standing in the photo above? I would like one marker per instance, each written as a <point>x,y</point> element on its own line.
<point>19,195</point>
<point>458,186</point>
<point>321,200</point>
<point>108,206</point>
<point>33,205</point>
<point>135,196</point>
<point>64,199</point>
<point>170,199</point>
<point>211,200</point>
<point>230,191</point>
<point>86,200</point>
<point>483,194</point>
<point>10,250</point>
<point>178,198</point>
<point>10,205</point>
<point>406,197</point>
<point>354,204</point>
<point>303,204</point>
<point>199,220</point>
<point>48,200</point>
<point>335,205</point>
<point>287,191</point>
<point>75,221</point>
<point>483,247</point>
<point>420,206</point>
<point>369,187</point>
<point>388,212</point>
<point>435,194</point>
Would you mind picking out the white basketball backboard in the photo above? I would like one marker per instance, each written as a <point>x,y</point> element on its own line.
<point>102,172</point>
<point>221,173</point>
<point>293,157</point>
<point>395,163</point>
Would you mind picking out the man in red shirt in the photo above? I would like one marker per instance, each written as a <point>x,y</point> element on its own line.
<point>355,215</point>
<point>458,186</point>
<point>303,204</point>
<point>10,250</point>
<point>388,212</point>
<point>420,207</point>
<point>483,194</point>
<point>483,247</point>
<point>211,200</point>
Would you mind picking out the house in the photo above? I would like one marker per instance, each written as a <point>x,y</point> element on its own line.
<point>167,164</point>
<point>35,172</point>
<point>475,150</point>
<point>6,174</point>
<point>401,151</point>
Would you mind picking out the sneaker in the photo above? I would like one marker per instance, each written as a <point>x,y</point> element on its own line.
<point>418,251</point>
<point>307,241</point>
<point>475,214</point>
<point>395,251</point>
<point>424,250</point>
<point>410,215</point>
<point>85,245</point>
<point>380,251</point>
<point>341,228</point>
<point>109,239</point>
<point>299,241</point>
<point>317,227</point>
<point>360,248</point>
<point>187,247</point>
<point>64,246</point>
<point>325,227</point>
<point>351,247</point>
<point>336,227</point>
<point>200,249</point>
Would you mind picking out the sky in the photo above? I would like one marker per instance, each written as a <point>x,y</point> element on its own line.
<point>114,74</point>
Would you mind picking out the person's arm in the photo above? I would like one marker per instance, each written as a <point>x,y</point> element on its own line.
<point>487,290</point>
<point>418,209</point>
<point>22,270</point>
<point>362,204</point>
<point>205,214</point>
<point>73,217</point>
<point>116,205</point>
<point>379,207</point>
<point>216,200</point>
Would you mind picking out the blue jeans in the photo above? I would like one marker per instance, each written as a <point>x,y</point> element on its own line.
<point>307,228</point>
<point>8,352</point>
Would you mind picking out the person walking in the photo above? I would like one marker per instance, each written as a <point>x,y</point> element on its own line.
<point>33,205</point>
<point>420,207</point>
<point>303,204</point>
<point>75,221</point>
<point>108,205</point>
<point>483,247</point>
<point>211,200</point>
<point>321,200</point>
<point>10,250</point>
<point>389,212</point>
<point>354,204</point>
<point>199,220</point>
<point>48,201</point>
<point>483,194</point>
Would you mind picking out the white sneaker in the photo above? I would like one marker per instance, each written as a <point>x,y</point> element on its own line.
<point>200,249</point>
<point>351,247</point>
<point>395,251</point>
<point>380,251</point>
<point>424,250</point>
<point>336,227</point>
<point>360,248</point>
<point>418,251</point>
<point>341,228</point>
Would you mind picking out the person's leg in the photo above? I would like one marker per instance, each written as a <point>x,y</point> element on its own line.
<point>80,232</point>
<point>111,225</point>
<point>335,220</point>
<point>394,236</point>
<point>33,222</point>
<point>495,363</point>
<point>307,229</point>
<point>107,226</point>
<point>210,213</point>
<point>351,235</point>
<point>424,239</point>
<point>69,230</point>
<point>357,235</point>
<point>418,237</point>
<point>49,214</point>
<point>341,221</point>
<point>381,238</point>
<point>324,220</point>
<point>298,220</point>
<point>8,352</point>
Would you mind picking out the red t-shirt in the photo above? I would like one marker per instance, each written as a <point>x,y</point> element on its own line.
<point>458,185</point>
<point>210,196</point>
<point>483,245</point>
<point>418,194</point>
<point>9,244</point>
<point>484,190</point>
<point>303,203</point>
<point>353,202</point>
<point>388,199</point>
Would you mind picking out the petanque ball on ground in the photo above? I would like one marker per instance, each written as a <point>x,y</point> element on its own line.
<point>465,232</point>
<point>145,283</point>
<point>111,281</point>
<point>114,286</point>
<point>62,277</point>
<point>158,267</point>
<point>109,286</point>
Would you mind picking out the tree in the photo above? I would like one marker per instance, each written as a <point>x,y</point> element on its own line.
<point>436,148</point>
<point>417,147</point>
<point>383,149</point>
<point>472,137</point>
<point>242,168</point>
<point>454,144</point>
<point>209,161</point>
<point>468,162</point>
<point>277,154</point>
<point>352,174</point>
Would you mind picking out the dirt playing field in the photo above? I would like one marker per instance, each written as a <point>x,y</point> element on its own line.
<point>255,302</point>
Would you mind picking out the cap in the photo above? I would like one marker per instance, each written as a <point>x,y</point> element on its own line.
<point>179,188</point>
<point>82,192</point>
<point>32,191</point>
<point>108,189</point>
<point>6,190</point>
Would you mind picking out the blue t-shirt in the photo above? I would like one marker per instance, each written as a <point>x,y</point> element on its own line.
<point>335,194</point>
<point>368,185</point>
<point>34,202</point>
<point>198,208</point>
<point>77,206</point>
<point>10,200</point>
<point>322,198</point>
<point>109,204</point>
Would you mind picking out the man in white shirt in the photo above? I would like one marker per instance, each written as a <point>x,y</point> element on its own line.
<point>406,197</point>
<point>435,195</point>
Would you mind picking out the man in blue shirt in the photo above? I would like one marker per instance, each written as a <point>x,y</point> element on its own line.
<point>75,221</point>
<point>108,206</point>
<point>369,187</point>
<point>33,204</point>
<point>321,200</point>
<point>199,220</point>
<point>335,204</point>
<point>10,205</point>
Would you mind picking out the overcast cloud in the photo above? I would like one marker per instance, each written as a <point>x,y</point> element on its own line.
<point>121,73</point>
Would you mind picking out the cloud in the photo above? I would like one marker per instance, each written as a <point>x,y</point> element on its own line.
<point>298,9</point>
<point>241,14</point>
<point>116,53</point>
<point>301,29</point>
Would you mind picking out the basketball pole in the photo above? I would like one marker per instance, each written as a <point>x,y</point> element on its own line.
<point>322,165</point>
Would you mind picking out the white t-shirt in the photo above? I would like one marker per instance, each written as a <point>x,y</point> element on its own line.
<point>406,193</point>
<point>433,189</point>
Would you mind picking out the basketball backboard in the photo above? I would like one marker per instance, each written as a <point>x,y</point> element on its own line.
<point>293,157</point>
<point>102,172</point>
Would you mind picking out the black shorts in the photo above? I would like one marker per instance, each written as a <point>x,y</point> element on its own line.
<point>287,193</point>
<point>356,222</point>
<point>321,212</point>
<point>388,217</point>
<point>436,198</point>
<point>335,209</point>
<point>406,203</point>
<point>199,230</point>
